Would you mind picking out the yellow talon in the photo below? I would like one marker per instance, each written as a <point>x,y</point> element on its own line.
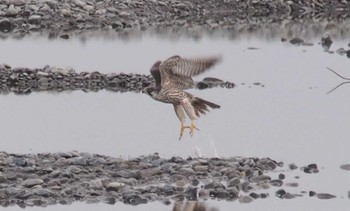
<point>193,126</point>
<point>182,129</point>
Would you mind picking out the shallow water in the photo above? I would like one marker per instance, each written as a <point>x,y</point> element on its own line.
<point>291,118</point>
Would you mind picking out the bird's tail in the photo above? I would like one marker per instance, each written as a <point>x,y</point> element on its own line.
<point>201,106</point>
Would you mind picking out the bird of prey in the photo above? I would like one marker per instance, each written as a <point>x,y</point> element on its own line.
<point>172,77</point>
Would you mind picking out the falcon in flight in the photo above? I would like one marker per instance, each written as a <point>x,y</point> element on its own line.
<point>172,77</point>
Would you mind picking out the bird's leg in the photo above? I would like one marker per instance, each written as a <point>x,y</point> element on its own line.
<point>182,129</point>
<point>193,126</point>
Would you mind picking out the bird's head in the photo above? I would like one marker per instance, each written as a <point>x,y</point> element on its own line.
<point>151,91</point>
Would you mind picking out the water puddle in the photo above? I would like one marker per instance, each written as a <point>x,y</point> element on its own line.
<point>290,104</point>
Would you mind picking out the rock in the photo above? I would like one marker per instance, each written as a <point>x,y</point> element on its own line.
<point>325,196</point>
<point>276,182</point>
<point>5,25</point>
<point>115,186</point>
<point>203,193</point>
<point>96,184</point>
<point>281,176</point>
<point>345,167</point>
<point>312,193</point>
<point>260,179</point>
<point>291,184</point>
<point>3,178</point>
<point>28,183</point>
<point>280,193</point>
<point>245,199</point>
<point>34,19</point>
<point>64,36</point>
<point>326,42</point>
<point>42,192</point>
<point>186,171</point>
<point>11,10</point>
<point>296,41</point>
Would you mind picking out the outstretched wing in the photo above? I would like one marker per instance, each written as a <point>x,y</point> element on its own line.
<point>195,66</point>
<point>178,71</point>
<point>156,74</point>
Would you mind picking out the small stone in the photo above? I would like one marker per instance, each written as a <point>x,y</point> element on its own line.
<point>245,199</point>
<point>88,8</point>
<point>292,166</point>
<point>28,183</point>
<point>12,10</point>
<point>64,36</point>
<point>312,193</point>
<point>42,192</point>
<point>186,171</point>
<point>325,196</point>
<point>66,13</point>
<point>203,193</point>
<point>296,41</point>
<point>115,186</point>
<point>345,167</point>
<point>234,182</point>
<point>291,184</point>
<point>34,19</point>
<point>96,184</point>
<point>289,196</point>
<point>341,51</point>
<point>281,176</point>
<point>264,195</point>
<point>260,179</point>
<point>254,195</point>
<point>5,25</point>
<point>3,178</point>
<point>201,168</point>
<point>280,193</point>
<point>276,182</point>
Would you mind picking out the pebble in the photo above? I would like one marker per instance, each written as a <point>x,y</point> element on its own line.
<point>325,196</point>
<point>11,10</point>
<point>291,184</point>
<point>245,199</point>
<point>115,186</point>
<point>345,167</point>
<point>3,178</point>
<point>310,169</point>
<point>32,182</point>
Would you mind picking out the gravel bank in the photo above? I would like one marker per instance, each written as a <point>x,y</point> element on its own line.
<point>25,81</point>
<point>63,18</point>
<point>65,177</point>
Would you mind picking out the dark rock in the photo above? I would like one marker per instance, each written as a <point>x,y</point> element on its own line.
<point>65,36</point>
<point>5,25</point>
<point>325,196</point>
<point>280,193</point>
<point>312,193</point>
<point>254,195</point>
<point>3,178</point>
<point>134,200</point>
<point>345,167</point>
<point>276,182</point>
<point>296,41</point>
<point>281,176</point>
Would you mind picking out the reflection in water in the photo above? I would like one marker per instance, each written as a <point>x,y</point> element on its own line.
<point>192,206</point>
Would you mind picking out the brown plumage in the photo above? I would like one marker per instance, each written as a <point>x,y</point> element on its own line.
<point>174,75</point>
